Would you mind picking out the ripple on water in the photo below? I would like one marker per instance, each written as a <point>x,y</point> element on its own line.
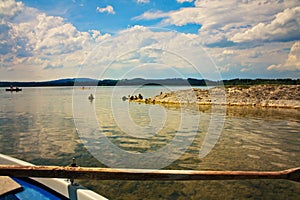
<point>250,147</point>
<point>253,156</point>
<point>43,131</point>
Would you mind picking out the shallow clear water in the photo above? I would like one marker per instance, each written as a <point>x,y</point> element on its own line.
<point>38,125</point>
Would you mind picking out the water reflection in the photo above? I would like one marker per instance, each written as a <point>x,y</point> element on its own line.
<point>37,125</point>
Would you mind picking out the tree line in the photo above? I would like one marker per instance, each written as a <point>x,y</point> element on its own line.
<point>139,81</point>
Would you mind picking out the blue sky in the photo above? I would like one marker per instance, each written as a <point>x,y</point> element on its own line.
<point>50,39</point>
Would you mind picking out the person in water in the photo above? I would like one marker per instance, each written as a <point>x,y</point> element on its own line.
<point>91,97</point>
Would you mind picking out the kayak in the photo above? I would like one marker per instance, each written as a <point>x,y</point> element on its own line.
<point>41,188</point>
<point>13,89</point>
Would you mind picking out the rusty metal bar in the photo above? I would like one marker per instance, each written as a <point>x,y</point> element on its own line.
<point>142,174</point>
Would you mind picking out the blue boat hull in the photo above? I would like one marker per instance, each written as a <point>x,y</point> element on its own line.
<point>32,190</point>
<point>45,188</point>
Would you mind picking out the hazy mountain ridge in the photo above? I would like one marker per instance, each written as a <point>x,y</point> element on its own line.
<point>141,81</point>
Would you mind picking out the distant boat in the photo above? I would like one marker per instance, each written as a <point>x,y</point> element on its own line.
<point>13,89</point>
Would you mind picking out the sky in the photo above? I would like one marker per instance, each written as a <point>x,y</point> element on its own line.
<point>118,39</point>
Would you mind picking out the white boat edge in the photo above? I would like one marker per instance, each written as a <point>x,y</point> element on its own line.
<point>61,186</point>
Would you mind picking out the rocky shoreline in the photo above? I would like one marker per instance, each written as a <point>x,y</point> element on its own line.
<point>281,96</point>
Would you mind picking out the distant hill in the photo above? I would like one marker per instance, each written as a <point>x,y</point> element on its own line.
<point>60,82</point>
<point>140,81</point>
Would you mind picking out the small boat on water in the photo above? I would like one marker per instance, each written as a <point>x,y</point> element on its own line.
<point>11,89</point>
<point>40,188</point>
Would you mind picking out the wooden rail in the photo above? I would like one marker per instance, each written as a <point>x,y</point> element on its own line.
<point>142,174</point>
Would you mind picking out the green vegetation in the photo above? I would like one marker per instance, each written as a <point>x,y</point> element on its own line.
<point>262,82</point>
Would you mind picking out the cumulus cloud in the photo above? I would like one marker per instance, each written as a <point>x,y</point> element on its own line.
<point>140,48</point>
<point>185,16</point>
<point>285,27</point>
<point>9,8</point>
<point>45,46</point>
<point>292,62</point>
<point>31,41</point>
<point>109,9</point>
<point>236,21</point>
<point>48,35</point>
<point>236,61</point>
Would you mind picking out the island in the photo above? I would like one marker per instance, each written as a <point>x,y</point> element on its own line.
<point>281,96</point>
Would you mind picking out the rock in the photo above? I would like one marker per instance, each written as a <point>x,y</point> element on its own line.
<point>283,96</point>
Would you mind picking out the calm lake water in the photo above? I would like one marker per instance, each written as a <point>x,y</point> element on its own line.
<point>50,126</point>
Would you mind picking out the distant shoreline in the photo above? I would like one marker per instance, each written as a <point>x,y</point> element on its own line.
<point>150,82</point>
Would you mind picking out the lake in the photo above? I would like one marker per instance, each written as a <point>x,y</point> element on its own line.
<point>51,125</point>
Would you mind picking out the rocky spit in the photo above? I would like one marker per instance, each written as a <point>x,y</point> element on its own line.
<point>281,96</point>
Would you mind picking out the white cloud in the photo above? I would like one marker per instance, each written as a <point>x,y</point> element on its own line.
<point>47,47</point>
<point>239,62</point>
<point>39,46</point>
<point>151,15</point>
<point>184,16</point>
<point>179,18</point>
<point>140,46</point>
<point>9,8</point>
<point>222,21</point>
<point>245,69</point>
<point>43,47</point>
<point>182,1</point>
<point>109,9</point>
<point>48,35</point>
<point>285,27</point>
<point>143,1</point>
<point>292,62</point>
